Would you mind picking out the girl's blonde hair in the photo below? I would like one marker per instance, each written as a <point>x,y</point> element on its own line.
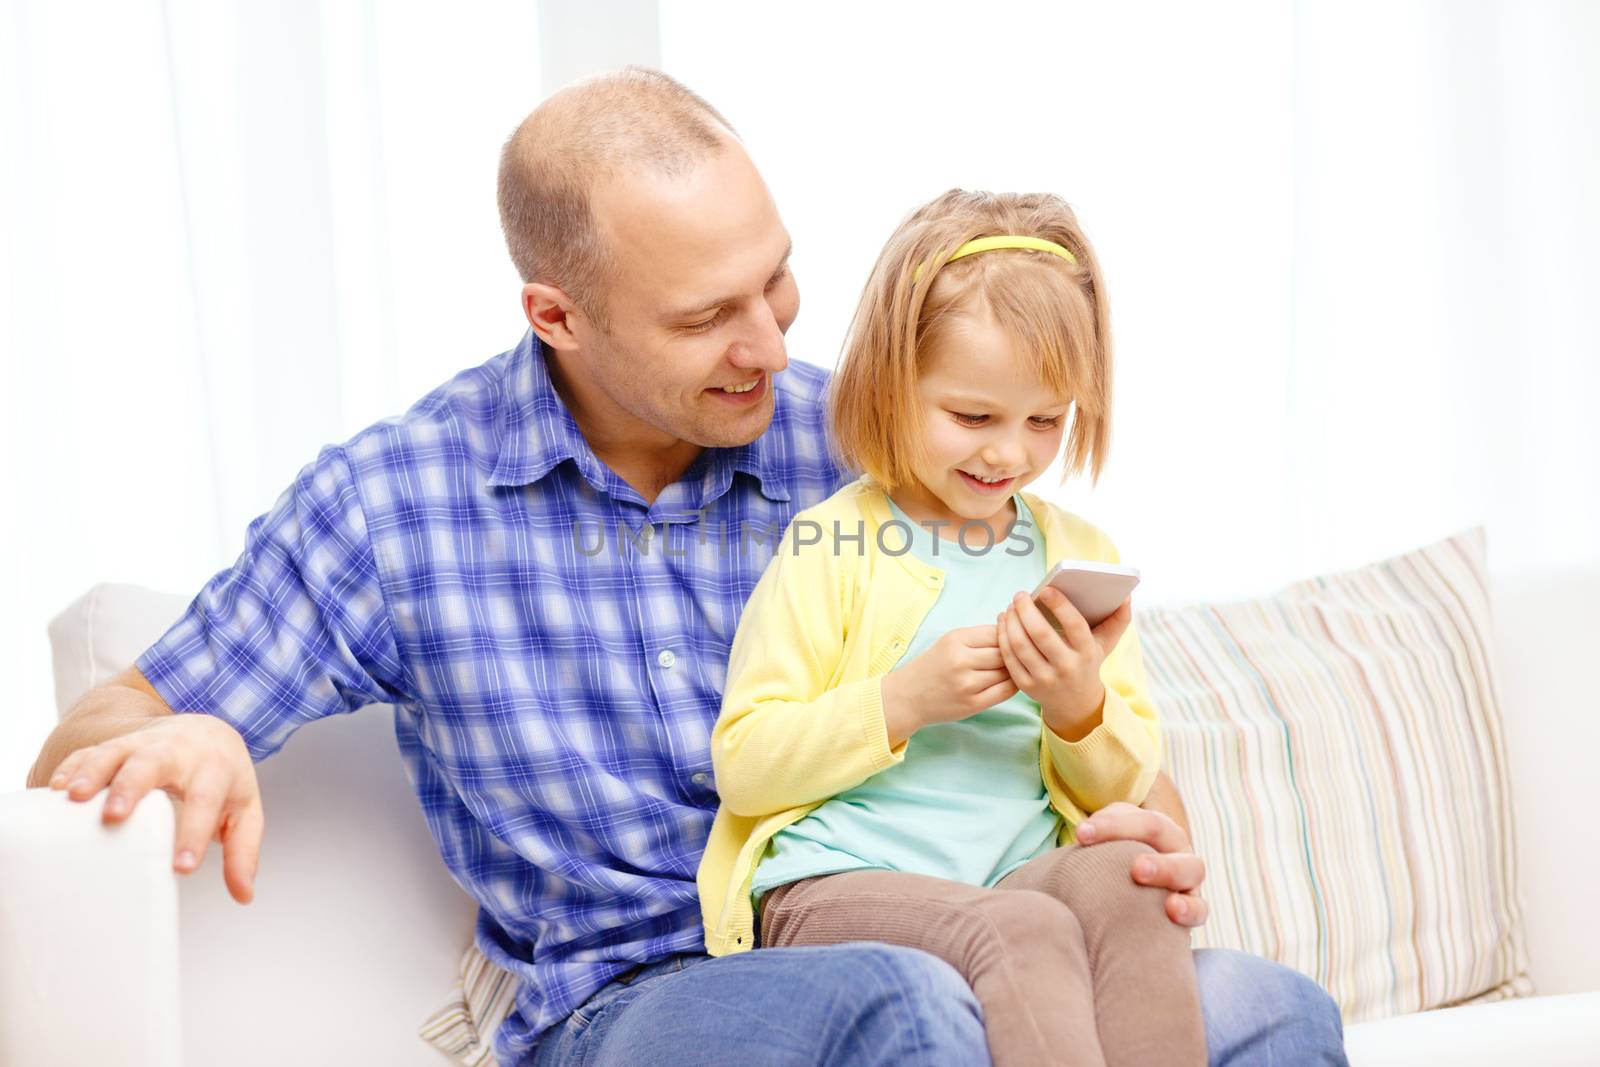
<point>1050,308</point>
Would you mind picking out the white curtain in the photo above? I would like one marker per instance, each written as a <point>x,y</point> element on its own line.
<point>233,232</point>
<point>1349,249</point>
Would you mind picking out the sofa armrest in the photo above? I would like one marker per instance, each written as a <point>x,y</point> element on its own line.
<point>88,932</point>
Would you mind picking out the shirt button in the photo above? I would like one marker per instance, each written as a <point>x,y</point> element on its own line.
<point>666,658</point>
<point>700,778</point>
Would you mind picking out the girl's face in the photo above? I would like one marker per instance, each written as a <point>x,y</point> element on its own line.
<point>992,427</point>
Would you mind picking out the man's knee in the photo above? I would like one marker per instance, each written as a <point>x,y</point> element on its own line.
<point>919,1001</point>
<point>1256,1010</point>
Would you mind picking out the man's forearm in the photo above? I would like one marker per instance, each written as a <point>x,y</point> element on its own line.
<point>1163,797</point>
<point>118,707</point>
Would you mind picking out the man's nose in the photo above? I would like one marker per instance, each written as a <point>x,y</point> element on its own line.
<point>761,347</point>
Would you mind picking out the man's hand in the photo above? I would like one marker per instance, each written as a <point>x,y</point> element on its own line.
<point>1176,868</point>
<point>201,762</point>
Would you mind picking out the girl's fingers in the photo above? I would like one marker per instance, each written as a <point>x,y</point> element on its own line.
<point>1045,638</point>
<point>1022,645</point>
<point>977,636</point>
<point>1074,630</point>
<point>981,680</point>
<point>1113,626</point>
<point>985,659</point>
<point>1005,689</point>
<point>1019,673</point>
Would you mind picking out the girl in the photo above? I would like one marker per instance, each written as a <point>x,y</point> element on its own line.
<point>894,767</point>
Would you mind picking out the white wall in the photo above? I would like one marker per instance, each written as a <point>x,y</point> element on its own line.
<point>1347,245</point>
<point>1349,250</point>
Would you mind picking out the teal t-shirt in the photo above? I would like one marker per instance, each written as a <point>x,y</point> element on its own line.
<point>967,802</point>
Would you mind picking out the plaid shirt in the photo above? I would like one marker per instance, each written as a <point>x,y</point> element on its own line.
<point>555,649</point>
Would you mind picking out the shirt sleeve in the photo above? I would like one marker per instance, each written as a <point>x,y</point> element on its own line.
<point>297,629</point>
<point>1120,757</point>
<point>787,736</point>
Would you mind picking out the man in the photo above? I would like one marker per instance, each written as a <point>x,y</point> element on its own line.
<point>541,565</point>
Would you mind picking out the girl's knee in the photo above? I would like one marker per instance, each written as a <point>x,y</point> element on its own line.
<point>1022,923</point>
<point>1104,885</point>
<point>1123,853</point>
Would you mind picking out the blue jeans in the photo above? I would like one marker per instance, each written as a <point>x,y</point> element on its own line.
<point>870,1005</point>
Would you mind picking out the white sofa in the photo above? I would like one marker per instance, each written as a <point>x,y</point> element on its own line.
<point>357,929</point>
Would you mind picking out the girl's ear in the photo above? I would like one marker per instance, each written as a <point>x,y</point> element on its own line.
<point>550,313</point>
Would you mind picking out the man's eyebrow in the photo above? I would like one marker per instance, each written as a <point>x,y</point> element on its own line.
<point>689,313</point>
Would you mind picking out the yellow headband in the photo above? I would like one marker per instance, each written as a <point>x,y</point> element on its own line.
<point>987,244</point>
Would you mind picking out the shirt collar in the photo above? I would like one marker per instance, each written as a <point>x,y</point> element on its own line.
<point>537,432</point>
<point>535,428</point>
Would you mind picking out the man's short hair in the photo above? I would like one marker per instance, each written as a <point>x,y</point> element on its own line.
<point>551,163</point>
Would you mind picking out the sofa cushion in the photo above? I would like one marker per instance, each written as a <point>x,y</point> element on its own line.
<point>1342,761</point>
<point>1549,1031</point>
<point>98,635</point>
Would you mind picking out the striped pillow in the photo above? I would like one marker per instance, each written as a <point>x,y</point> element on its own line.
<point>463,1027</point>
<point>1340,754</point>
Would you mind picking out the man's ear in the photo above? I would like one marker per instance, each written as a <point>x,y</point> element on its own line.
<point>550,312</point>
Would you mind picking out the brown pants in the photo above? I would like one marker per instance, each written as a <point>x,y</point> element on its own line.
<point>1072,960</point>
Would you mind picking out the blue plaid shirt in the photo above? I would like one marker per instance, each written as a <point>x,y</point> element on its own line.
<point>555,649</point>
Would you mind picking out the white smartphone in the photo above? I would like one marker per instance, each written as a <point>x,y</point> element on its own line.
<point>1095,589</point>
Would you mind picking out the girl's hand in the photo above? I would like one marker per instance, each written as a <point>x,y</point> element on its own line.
<point>1060,669</point>
<point>959,676</point>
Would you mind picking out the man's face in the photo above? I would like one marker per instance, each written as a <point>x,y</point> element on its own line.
<point>699,301</point>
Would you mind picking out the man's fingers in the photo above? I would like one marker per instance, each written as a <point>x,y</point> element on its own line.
<point>1127,822</point>
<point>201,810</point>
<point>1187,909</point>
<point>94,767</point>
<point>143,770</point>
<point>64,770</point>
<point>1180,872</point>
<point>241,849</point>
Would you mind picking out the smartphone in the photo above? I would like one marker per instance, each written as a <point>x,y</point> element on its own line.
<point>1095,589</point>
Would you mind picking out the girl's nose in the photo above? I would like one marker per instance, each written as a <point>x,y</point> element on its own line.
<point>1005,455</point>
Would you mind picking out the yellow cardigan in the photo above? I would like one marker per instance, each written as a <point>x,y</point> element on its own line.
<point>802,713</point>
